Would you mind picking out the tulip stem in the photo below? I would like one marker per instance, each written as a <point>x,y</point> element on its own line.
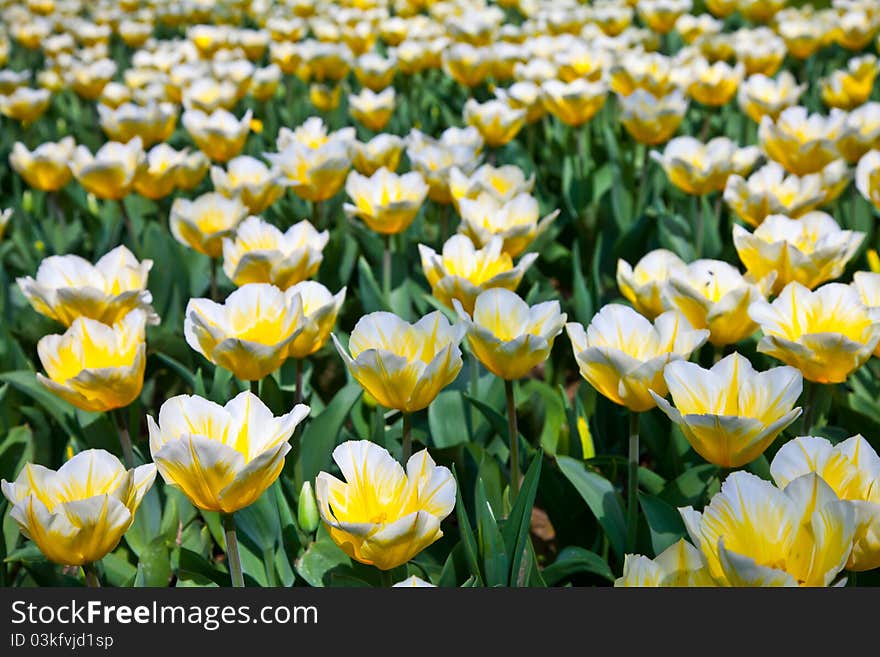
<point>91,574</point>
<point>125,439</point>
<point>474,367</point>
<point>255,387</point>
<point>214,293</point>
<point>129,226</point>
<point>809,407</point>
<point>444,224</point>
<point>386,271</point>
<point>513,435</point>
<point>298,398</point>
<point>632,487</point>
<point>232,556</point>
<point>407,436</point>
<point>700,228</point>
<point>386,579</point>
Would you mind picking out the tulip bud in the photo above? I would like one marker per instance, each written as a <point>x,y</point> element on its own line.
<point>27,201</point>
<point>307,509</point>
<point>93,204</point>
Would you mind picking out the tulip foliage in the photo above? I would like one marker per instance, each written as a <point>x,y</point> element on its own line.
<point>462,293</point>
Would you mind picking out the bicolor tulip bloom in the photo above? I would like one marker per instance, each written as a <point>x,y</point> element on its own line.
<point>387,202</point>
<point>642,285</point>
<point>370,109</point>
<point>204,222</point>
<point>760,95</point>
<point>381,151</point>
<point>110,172</point>
<point>497,122</point>
<point>868,177</point>
<point>503,183</point>
<point>320,309</point>
<point>802,143</point>
<point>249,179</point>
<point>517,220</point>
<point>46,167</point>
<point>770,191</point>
<point>697,168</point>
<point>679,565</point>
<point>219,135</point>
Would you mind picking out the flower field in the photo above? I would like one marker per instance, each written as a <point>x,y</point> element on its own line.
<point>457,294</point>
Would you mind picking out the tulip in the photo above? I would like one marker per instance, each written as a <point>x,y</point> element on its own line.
<point>159,178</point>
<point>46,167</point>
<point>713,294</point>
<point>826,334</point>
<point>851,468</point>
<point>467,65</point>
<point>502,183</point>
<point>861,134</point>
<point>461,271</point>
<point>153,123</point>
<point>264,83</point>
<point>661,15</point>
<point>855,27</point>
<point>413,581</point>
<point>320,309</point>
<point>249,179</point>
<point>222,457</point>
<point>769,191</point>
<point>800,142</point>
<point>850,88</point>
<point>681,564</point>
<point>25,105</point>
<point>5,216</point>
<point>515,221</point>
<point>434,159</point>
<point>77,514</point>
<point>381,151</point>
<point>88,79</point>
<point>651,72</point>
<point>315,172</point>
<point>867,284</point>
<point>697,168</point>
<point>110,173</point>
<point>192,171</point>
<point>374,71</point>
<point>802,36</point>
<point>325,97</point>
<point>203,223</point>
<point>219,135</point>
<point>754,534</point>
<point>693,28</point>
<point>810,250</point>
<point>386,202</point>
<point>714,84</point>
<point>649,119</point>
<point>868,177</point>
<point>250,333</point>
<point>761,96</point>
<point>371,109</point>
<point>381,515</point>
<point>642,285</point>
<point>525,95</point>
<point>497,122</point>
<point>260,253</point>
<point>574,103</point>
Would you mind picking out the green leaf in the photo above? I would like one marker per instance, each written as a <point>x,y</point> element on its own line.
<point>446,420</point>
<point>689,488</point>
<point>583,303</point>
<point>573,560</point>
<point>370,292</point>
<point>464,529</point>
<point>195,567</point>
<point>26,381</point>
<point>518,523</point>
<point>599,495</point>
<point>492,549</point>
<point>319,559</point>
<point>664,521</point>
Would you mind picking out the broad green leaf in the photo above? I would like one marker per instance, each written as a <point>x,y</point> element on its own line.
<point>574,560</point>
<point>492,548</point>
<point>600,496</point>
<point>664,521</point>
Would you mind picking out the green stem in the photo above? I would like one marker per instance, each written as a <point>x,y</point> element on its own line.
<point>643,180</point>
<point>125,439</point>
<point>407,436</point>
<point>387,579</point>
<point>632,487</point>
<point>268,562</point>
<point>232,556</point>
<point>474,367</point>
<point>700,228</point>
<point>129,227</point>
<point>215,295</point>
<point>444,223</point>
<point>513,435</point>
<point>298,398</point>
<point>386,271</point>
<point>255,387</point>
<point>810,389</point>
<point>91,574</point>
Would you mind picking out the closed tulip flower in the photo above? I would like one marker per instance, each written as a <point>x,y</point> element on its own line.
<point>381,151</point>
<point>96,367</point>
<point>110,172</point>
<point>381,515</point>
<point>754,534</point>
<point>770,191</point>
<point>515,220</point>
<point>386,202</point>
<point>260,253</point>
<point>715,295</point>
<point>761,96</point>
<point>697,168</point>
<point>153,123</point>
<point>320,309</point>
<point>403,366</point>
<point>46,167</point>
<point>461,271</point>
<point>802,143</point>
<point>868,177</point>
<point>622,354</point>
<point>509,337</point>
<point>681,564</point>
<point>249,179</point>
<point>219,135</point>
<point>826,334</point>
<point>649,119</point>
<point>502,183</point>
<point>203,223</point>
<point>250,333</point>
<point>730,414</point>
<point>67,287</point>
<point>497,122</point>
<point>692,28</point>
<point>852,87</point>
<point>642,285</point>
<point>160,175</point>
<point>77,514</point>
<point>810,250</point>
<point>574,103</point>
<point>25,105</point>
<point>852,469</point>
<point>372,110</point>
<point>856,26</point>
<point>221,457</point>
<point>714,84</point>
<point>5,217</point>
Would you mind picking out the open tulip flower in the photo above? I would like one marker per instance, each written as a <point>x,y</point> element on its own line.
<point>159,177</point>
<point>110,172</point>
<point>754,534</point>
<point>867,284</point>
<point>67,287</point>
<point>382,515</point>
<point>714,84</point>
<point>253,182</point>
<point>679,565</point>
<point>852,87</point>
<point>192,171</point>
<point>730,414</point>
<point>372,110</point>
<point>826,334</point>
<point>383,150</point>
<point>250,333</point>
<point>221,457</point>
<point>810,250</point>
<point>320,309</point>
<point>25,105</point>
<point>715,295</point>
<point>96,367</point>
<point>497,122</point>
<point>435,160</point>
<point>650,119</point>
<point>802,143</point>
<point>852,469</point>
<point>203,223</point>
<point>515,220</point>
<point>622,354</point>
<point>502,183</point>
<point>219,135</point>
<point>760,95</point>
<point>861,134</point>
<point>387,202</point>
<point>770,191</point>
<point>261,253</point>
<point>574,103</point>
<point>153,123</point>
<point>509,337</point>
<point>403,366</point>
<point>46,167</point>
<point>697,168</point>
<point>78,513</point>
<point>315,171</point>
<point>661,15</point>
<point>642,285</point>
<point>461,271</point>
<point>868,178</point>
